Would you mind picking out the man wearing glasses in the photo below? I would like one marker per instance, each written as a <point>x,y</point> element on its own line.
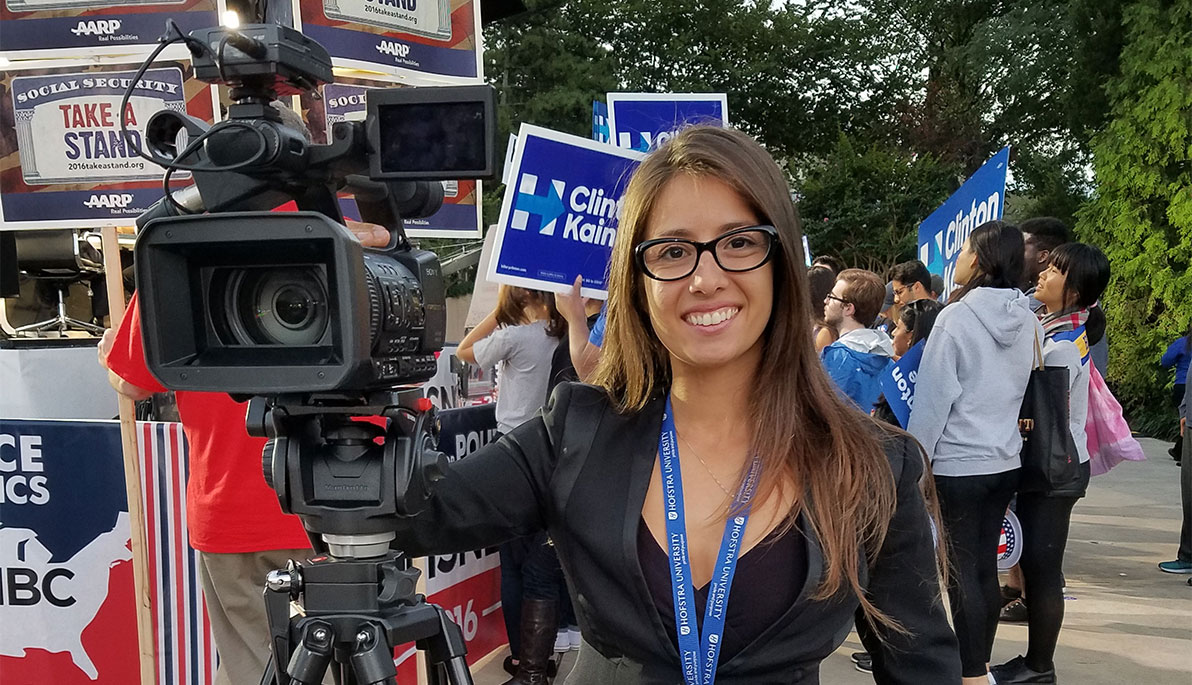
<point>859,356</point>
<point>911,281</point>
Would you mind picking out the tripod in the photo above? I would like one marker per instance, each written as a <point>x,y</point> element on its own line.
<point>358,600</point>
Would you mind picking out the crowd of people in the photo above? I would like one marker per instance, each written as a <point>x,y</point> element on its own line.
<point>730,491</point>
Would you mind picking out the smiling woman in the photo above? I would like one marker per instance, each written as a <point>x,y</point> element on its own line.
<point>712,458</point>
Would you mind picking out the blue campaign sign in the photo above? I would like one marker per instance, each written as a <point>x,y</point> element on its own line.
<point>600,122</point>
<point>559,215</point>
<point>639,121</point>
<point>898,382</point>
<point>980,199</point>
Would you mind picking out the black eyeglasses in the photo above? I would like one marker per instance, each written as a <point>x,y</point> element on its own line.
<point>672,259</point>
<point>841,300</point>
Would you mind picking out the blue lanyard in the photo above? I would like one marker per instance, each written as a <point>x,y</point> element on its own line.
<point>699,656</point>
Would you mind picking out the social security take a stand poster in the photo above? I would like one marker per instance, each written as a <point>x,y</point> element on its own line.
<point>559,215</point>
<point>639,121</point>
<point>982,198</point>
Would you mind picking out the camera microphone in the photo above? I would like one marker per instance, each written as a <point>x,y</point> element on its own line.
<point>187,198</point>
<point>246,44</point>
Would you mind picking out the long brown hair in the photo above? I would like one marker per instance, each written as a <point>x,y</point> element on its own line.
<point>805,434</point>
<point>513,303</point>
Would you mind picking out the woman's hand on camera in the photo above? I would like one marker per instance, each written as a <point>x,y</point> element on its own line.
<point>369,235</point>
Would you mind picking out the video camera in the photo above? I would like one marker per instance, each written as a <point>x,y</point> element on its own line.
<point>245,300</point>
<point>289,308</point>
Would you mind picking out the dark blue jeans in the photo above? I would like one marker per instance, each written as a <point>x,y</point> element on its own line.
<point>530,570</point>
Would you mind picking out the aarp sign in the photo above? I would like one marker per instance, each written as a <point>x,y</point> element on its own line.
<point>641,121</point>
<point>559,216</point>
<point>982,198</point>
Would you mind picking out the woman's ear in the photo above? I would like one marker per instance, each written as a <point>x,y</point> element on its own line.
<point>974,267</point>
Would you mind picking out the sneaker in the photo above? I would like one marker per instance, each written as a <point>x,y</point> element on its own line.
<point>562,644</point>
<point>863,663</point>
<point>1177,566</point>
<point>1016,672</point>
<point>1014,612</point>
<point>573,639</point>
<point>858,656</point>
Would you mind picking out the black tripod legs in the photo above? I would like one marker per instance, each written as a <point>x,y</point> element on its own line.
<point>313,654</point>
<point>445,654</point>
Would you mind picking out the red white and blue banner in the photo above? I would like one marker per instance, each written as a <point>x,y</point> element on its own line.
<point>32,29</point>
<point>185,650</point>
<point>68,613</point>
<point>63,160</point>
<point>67,598</point>
<point>417,41</point>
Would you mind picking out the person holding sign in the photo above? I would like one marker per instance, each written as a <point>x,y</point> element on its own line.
<point>915,322</point>
<point>519,337</point>
<point>719,510</point>
<point>970,386</point>
<point>1071,283</point>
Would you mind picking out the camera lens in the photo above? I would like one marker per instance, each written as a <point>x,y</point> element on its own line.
<point>294,306</point>
<point>277,306</point>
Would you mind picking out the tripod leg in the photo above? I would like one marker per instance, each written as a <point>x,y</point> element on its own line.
<point>446,651</point>
<point>314,654</point>
<point>372,657</point>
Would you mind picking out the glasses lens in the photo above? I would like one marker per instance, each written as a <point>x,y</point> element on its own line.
<point>743,251</point>
<point>669,260</point>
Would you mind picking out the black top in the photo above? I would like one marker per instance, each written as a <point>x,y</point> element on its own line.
<point>561,368</point>
<point>755,600</point>
<point>580,470</point>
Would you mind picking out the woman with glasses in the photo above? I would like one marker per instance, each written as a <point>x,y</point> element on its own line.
<point>719,511</point>
<point>971,382</point>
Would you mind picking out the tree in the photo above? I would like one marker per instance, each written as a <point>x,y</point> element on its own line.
<point>1142,210</point>
<point>864,202</point>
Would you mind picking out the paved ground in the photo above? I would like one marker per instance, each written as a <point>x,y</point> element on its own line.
<point>1126,623</point>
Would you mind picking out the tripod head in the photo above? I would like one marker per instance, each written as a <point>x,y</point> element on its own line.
<point>352,483</point>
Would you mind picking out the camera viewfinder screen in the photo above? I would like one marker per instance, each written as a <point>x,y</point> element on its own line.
<point>444,137</point>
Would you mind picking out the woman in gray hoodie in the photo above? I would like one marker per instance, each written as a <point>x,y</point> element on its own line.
<point>970,387</point>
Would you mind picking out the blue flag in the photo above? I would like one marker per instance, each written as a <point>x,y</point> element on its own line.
<point>943,232</point>
<point>898,383</point>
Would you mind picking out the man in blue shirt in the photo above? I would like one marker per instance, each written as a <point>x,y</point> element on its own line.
<point>861,354</point>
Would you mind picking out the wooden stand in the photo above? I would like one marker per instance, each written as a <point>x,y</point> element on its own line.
<point>132,473</point>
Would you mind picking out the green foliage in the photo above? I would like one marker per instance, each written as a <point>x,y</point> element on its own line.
<point>863,202</point>
<point>1141,214</point>
<point>878,108</point>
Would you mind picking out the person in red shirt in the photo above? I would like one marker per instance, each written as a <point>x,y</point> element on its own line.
<point>234,519</point>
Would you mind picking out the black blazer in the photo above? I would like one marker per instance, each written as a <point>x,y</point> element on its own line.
<point>580,470</point>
